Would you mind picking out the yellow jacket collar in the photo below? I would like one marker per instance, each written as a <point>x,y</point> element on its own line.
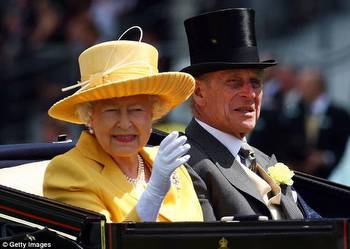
<point>91,149</point>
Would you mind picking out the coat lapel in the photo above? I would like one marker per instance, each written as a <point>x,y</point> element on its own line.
<point>234,173</point>
<point>122,189</point>
<point>130,194</point>
<point>88,146</point>
<point>222,158</point>
<point>264,161</point>
<point>288,205</point>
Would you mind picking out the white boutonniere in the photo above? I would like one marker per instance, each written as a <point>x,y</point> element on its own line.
<point>281,174</point>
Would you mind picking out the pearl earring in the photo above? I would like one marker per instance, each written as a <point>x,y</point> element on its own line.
<point>91,131</point>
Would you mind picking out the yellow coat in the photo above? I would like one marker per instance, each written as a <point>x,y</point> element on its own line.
<point>87,177</point>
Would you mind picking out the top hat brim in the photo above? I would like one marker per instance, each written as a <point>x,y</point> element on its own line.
<point>202,68</point>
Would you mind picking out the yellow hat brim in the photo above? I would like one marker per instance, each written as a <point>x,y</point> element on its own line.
<point>173,88</point>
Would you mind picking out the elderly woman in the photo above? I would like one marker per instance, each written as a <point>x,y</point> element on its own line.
<point>111,170</point>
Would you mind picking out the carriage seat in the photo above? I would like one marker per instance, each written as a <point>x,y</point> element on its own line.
<point>27,177</point>
<point>22,166</point>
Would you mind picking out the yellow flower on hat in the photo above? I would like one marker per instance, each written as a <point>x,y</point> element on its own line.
<point>281,174</point>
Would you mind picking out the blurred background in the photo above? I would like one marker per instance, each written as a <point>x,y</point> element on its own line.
<point>41,40</point>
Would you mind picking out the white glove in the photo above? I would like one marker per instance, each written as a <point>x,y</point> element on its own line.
<point>171,155</point>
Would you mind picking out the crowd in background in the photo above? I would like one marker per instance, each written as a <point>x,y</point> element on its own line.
<point>41,40</point>
<point>39,45</point>
<point>299,122</point>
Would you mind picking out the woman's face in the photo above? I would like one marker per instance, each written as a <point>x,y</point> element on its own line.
<point>122,126</point>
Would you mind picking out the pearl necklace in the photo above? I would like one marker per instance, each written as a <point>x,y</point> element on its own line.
<point>140,179</point>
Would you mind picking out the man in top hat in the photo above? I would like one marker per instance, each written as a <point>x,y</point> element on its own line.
<point>230,177</point>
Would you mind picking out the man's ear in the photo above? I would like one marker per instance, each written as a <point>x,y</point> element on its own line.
<point>200,93</point>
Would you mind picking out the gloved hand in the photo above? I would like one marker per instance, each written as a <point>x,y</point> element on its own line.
<point>171,155</point>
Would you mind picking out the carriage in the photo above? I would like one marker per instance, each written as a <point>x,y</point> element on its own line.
<point>29,220</point>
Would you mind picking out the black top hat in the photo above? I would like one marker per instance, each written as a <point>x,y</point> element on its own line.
<point>221,40</point>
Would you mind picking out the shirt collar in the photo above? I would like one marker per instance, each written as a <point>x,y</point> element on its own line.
<point>232,143</point>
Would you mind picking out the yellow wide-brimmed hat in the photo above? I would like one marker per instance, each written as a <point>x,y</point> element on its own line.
<point>122,68</point>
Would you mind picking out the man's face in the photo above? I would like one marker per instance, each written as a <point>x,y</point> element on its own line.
<point>229,100</point>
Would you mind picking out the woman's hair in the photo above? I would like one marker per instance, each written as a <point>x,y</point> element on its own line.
<point>159,108</point>
<point>84,112</point>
